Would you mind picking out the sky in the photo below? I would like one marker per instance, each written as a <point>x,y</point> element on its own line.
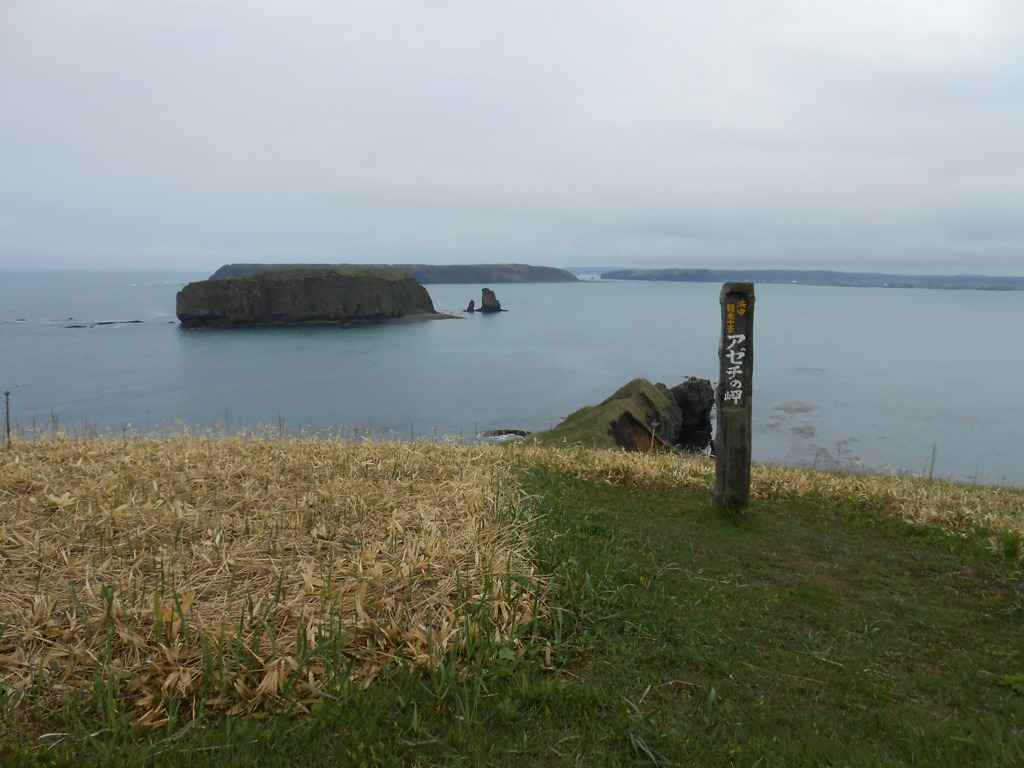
<point>858,135</point>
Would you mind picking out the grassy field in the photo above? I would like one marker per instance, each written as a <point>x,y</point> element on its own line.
<point>229,601</point>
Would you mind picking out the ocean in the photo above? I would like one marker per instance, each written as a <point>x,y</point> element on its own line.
<point>877,379</point>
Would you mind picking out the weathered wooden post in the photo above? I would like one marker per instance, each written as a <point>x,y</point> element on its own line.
<point>733,401</point>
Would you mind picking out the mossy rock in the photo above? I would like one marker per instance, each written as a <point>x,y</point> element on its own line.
<point>640,416</point>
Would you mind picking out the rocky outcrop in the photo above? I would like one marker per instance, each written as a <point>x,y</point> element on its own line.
<point>302,297</point>
<point>642,416</point>
<point>695,398</point>
<point>488,303</point>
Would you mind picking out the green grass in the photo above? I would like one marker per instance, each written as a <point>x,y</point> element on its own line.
<point>800,632</point>
<point>797,634</point>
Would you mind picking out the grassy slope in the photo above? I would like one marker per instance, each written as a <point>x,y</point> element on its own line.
<point>591,425</point>
<point>816,628</point>
<point>799,634</point>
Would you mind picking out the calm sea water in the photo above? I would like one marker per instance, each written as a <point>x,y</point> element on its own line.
<point>924,381</point>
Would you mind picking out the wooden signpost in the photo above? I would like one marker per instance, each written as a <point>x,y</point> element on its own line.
<point>733,401</point>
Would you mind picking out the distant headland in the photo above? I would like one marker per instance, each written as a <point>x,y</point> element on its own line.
<point>425,274</point>
<point>820,277</point>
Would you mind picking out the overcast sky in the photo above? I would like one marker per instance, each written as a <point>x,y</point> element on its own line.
<point>848,134</point>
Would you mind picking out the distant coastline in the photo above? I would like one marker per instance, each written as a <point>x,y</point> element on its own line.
<point>821,277</point>
<point>425,274</point>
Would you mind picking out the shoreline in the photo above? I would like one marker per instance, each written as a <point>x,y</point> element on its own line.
<point>420,316</point>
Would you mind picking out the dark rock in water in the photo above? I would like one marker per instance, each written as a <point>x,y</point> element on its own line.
<point>106,322</point>
<point>696,398</point>
<point>489,302</point>
<point>643,416</point>
<point>302,297</point>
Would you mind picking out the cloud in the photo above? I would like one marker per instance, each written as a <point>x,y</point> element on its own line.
<point>786,131</point>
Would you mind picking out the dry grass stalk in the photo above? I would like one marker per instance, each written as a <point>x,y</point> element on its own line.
<point>224,570</point>
<point>618,467</point>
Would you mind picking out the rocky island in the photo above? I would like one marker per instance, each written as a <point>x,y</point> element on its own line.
<point>299,297</point>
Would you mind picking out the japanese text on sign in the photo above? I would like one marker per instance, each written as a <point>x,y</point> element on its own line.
<point>735,352</point>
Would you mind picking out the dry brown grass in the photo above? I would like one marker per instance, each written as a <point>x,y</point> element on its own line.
<point>231,573</point>
<point>219,570</point>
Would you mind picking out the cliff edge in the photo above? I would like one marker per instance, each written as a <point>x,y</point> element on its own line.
<point>302,297</point>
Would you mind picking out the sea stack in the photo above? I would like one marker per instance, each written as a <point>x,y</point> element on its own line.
<point>489,302</point>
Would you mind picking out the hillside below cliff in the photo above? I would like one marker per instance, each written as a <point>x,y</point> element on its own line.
<point>424,273</point>
<point>302,297</point>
